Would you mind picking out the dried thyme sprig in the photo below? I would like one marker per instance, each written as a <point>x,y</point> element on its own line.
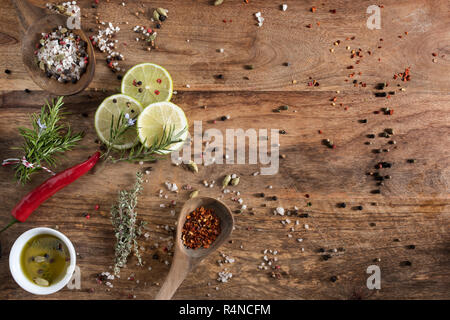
<point>160,146</point>
<point>124,220</point>
<point>47,138</point>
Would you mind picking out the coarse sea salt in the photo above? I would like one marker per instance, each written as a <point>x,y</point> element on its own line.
<point>62,54</point>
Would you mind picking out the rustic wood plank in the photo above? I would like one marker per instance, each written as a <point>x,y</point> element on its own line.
<point>413,206</point>
<point>282,38</point>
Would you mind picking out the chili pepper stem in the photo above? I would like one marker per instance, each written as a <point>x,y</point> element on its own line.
<point>13,221</point>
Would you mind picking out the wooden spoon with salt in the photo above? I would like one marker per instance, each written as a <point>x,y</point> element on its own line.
<point>34,21</point>
<point>185,259</point>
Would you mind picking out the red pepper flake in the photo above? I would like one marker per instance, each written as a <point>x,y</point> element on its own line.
<point>320,132</point>
<point>333,11</point>
<point>158,80</point>
<point>97,207</point>
<point>201,228</point>
<point>157,92</point>
<point>313,9</point>
<point>309,26</point>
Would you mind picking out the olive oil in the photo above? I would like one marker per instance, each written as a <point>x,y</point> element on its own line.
<point>44,260</point>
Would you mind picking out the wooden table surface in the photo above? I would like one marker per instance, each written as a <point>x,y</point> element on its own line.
<point>413,207</point>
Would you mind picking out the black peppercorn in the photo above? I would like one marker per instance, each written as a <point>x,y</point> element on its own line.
<point>342,205</point>
<point>7,71</point>
<point>162,18</point>
<point>333,279</point>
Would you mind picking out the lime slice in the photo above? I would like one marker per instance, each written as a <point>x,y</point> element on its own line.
<point>148,83</point>
<point>157,116</point>
<point>111,107</point>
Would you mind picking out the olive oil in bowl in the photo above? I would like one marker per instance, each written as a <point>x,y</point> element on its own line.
<point>44,260</point>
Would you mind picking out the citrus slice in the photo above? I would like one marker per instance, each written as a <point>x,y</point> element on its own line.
<point>111,108</point>
<point>148,83</point>
<point>158,117</point>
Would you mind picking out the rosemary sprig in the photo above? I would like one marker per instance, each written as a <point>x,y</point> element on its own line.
<point>45,139</point>
<point>140,152</point>
<point>124,220</point>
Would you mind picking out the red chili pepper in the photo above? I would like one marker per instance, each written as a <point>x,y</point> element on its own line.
<point>36,197</point>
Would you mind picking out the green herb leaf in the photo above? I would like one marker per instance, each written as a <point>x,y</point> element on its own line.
<point>42,144</point>
<point>126,228</point>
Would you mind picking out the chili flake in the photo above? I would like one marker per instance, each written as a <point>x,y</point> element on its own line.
<point>201,228</point>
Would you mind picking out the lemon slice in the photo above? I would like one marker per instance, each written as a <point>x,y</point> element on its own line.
<point>159,116</point>
<point>148,83</point>
<point>111,107</point>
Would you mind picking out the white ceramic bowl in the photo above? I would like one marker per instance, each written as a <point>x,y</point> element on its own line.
<point>16,269</point>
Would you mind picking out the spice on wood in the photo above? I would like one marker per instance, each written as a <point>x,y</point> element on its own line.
<point>201,228</point>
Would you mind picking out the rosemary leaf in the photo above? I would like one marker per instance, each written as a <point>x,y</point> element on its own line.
<point>160,145</point>
<point>45,139</point>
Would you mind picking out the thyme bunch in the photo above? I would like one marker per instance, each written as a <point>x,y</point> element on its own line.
<point>45,139</point>
<point>160,146</point>
<point>124,221</point>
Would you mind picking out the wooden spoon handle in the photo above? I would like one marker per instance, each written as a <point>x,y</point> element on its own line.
<point>27,12</point>
<point>180,268</point>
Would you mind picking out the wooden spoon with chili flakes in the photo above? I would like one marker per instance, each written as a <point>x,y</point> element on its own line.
<point>185,258</point>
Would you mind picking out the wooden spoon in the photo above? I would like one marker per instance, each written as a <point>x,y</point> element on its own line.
<point>34,21</point>
<point>186,259</point>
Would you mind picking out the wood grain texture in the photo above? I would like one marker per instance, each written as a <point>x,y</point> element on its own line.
<point>413,206</point>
